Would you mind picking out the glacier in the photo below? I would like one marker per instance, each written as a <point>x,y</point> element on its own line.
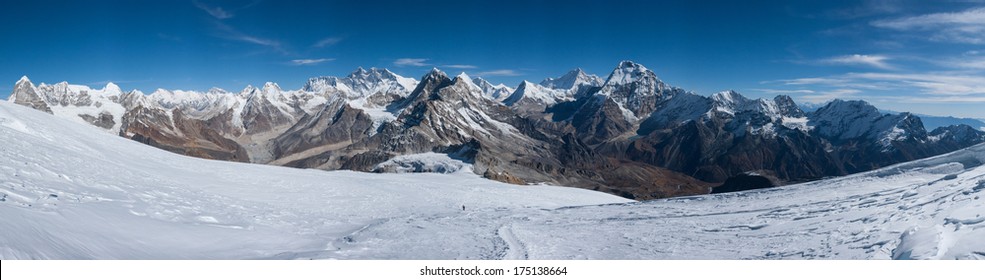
<point>71,191</point>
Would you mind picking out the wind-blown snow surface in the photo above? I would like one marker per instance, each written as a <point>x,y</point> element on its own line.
<point>70,191</point>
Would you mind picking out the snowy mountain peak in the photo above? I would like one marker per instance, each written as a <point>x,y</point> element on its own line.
<point>24,79</point>
<point>372,73</point>
<point>435,73</point>
<point>732,102</point>
<point>840,107</point>
<point>479,81</point>
<point>627,72</point>
<point>112,89</point>
<point>729,97</point>
<point>630,64</point>
<point>536,93</point>
<point>271,87</point>
<point>572,80</point>
<point>635,89</point>
<point>787,107</point>
<point>465,77</point>
<point>844,120</point>
<point>249,89</point>
<point>494,92</point>
<point>160,91</point>
<point>216,90</point>
<point>435,70</point>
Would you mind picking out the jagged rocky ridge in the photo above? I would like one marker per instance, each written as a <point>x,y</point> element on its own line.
<point>630,134</point>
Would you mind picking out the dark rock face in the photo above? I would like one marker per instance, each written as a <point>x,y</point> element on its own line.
<point>599,120</point>
<point>25,94</point>
<point>336,124</point>
<point>184,135</point>
<point>260,115</point>
<point>105,120</point>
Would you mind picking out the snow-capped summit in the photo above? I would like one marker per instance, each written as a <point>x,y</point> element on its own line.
<point>271,88</point>
<point>249,89</point>
<point>216,90</point>
<point>635,89</point>
<point>787,107</point>
<point>730,101</point>
<point>112,89</point>
<point>494,92</point>
<point>465,78</point>
<point>25,93</point>
<point>628,72</point>
<point>435,73</point>
<point>536,93</point>
<point>573,80</point>
<point>842,120</point>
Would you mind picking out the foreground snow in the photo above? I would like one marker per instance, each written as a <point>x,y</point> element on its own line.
<point>72,191</point>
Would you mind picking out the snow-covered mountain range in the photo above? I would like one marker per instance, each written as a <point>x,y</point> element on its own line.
<point>629,134</point>
<point>70,191</point>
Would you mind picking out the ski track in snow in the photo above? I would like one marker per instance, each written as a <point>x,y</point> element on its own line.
<point>69,191</point>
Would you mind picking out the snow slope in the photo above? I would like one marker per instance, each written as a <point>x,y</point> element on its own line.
<point>70,192</point>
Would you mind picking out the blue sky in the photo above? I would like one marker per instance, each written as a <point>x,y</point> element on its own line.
<point>919,56</point>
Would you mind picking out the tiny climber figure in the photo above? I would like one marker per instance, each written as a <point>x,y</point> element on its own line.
<point>463,207</point>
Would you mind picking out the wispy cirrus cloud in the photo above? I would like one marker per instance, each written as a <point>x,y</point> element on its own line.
<point>784,91</point>
<point>938,87</point>
<point>459,66</point>
<point>805,81</point>
<point>930,83</point>
<point>216,12</point>
<point>229,33</point>
<point>500,72</point>
<point>876,61</point>
<point>310,61</point>
<point>838,81</point>
<point>327,42</point>
<point>417,62</point>
<point>973,62</point>
<point>966,26</point>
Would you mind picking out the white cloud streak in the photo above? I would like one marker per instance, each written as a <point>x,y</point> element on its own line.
<point>936,84</point>
<point>216,12</point>
<point>417,62</point>
<point>327,42</point>
<point>943,87</point>
<point>974,63</point>
<point>459,66</point>
<point>877,61</point>
<point>958,27</point>
<point>784,91</point>
<point>230,33</point>
<point>310,61</point>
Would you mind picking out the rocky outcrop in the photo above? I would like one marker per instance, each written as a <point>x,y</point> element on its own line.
<point>105,120</point>
<point>26,94</point>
